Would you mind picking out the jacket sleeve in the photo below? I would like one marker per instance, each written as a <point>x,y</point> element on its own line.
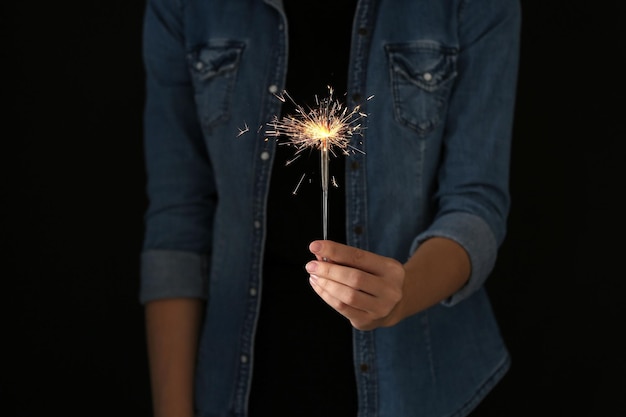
<point>180,186</point>
<point>473,196</point>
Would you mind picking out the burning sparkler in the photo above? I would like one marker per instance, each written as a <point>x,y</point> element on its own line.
<point>328,128</point>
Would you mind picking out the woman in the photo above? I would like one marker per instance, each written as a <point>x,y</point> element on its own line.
<point>390,317</point>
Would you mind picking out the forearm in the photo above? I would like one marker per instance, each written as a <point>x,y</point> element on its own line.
<point>437,269</point>
<point>172,327</point>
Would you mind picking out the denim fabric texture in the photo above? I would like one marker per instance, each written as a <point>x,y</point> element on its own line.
<point>434,162</point>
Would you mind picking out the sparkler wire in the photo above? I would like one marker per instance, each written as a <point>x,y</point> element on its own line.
<point>324,162</point>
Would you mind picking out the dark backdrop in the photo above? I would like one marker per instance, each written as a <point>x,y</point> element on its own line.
<point>73,199</point>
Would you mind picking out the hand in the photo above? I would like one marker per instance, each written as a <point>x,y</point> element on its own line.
<point>364,287</point>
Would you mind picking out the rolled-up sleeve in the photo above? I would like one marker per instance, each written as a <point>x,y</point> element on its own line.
<point>159,267</point>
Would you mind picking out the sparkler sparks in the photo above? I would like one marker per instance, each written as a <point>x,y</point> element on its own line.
<point>328,128</point>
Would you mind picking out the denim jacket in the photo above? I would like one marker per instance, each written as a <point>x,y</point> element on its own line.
<point>433,161</point>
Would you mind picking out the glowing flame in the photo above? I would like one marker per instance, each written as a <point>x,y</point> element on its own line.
<point>329,126</point>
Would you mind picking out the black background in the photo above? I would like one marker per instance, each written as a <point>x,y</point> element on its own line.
<point>73,201</point>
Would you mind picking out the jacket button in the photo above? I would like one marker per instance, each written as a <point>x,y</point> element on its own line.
<point>273,88</point>
<point>354,165</point>
<point>363,367</point>
<point>358,230</point>
<point>244,358</point>
<point>265,155</point>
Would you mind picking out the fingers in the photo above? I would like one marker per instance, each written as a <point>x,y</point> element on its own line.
<point>340,296</point>
<point>351,256</point>
<point>345,276</point>
<point>355,288</point>
<point>359,319</point>
<point>364,311</point>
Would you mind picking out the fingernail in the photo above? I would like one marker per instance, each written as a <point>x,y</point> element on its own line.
<point>311,266</point>
<point>315,246</point>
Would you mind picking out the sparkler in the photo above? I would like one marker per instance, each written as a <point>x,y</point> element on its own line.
<point>328,128</point>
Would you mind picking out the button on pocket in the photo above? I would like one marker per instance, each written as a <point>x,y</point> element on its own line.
<point>421,76</point>
<point>213,68</point>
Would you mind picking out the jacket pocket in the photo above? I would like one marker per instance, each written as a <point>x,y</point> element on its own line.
<point>422,75</point>
<point>213,69</point>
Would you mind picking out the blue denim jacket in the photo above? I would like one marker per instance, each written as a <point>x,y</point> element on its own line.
<point>435,162</point>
